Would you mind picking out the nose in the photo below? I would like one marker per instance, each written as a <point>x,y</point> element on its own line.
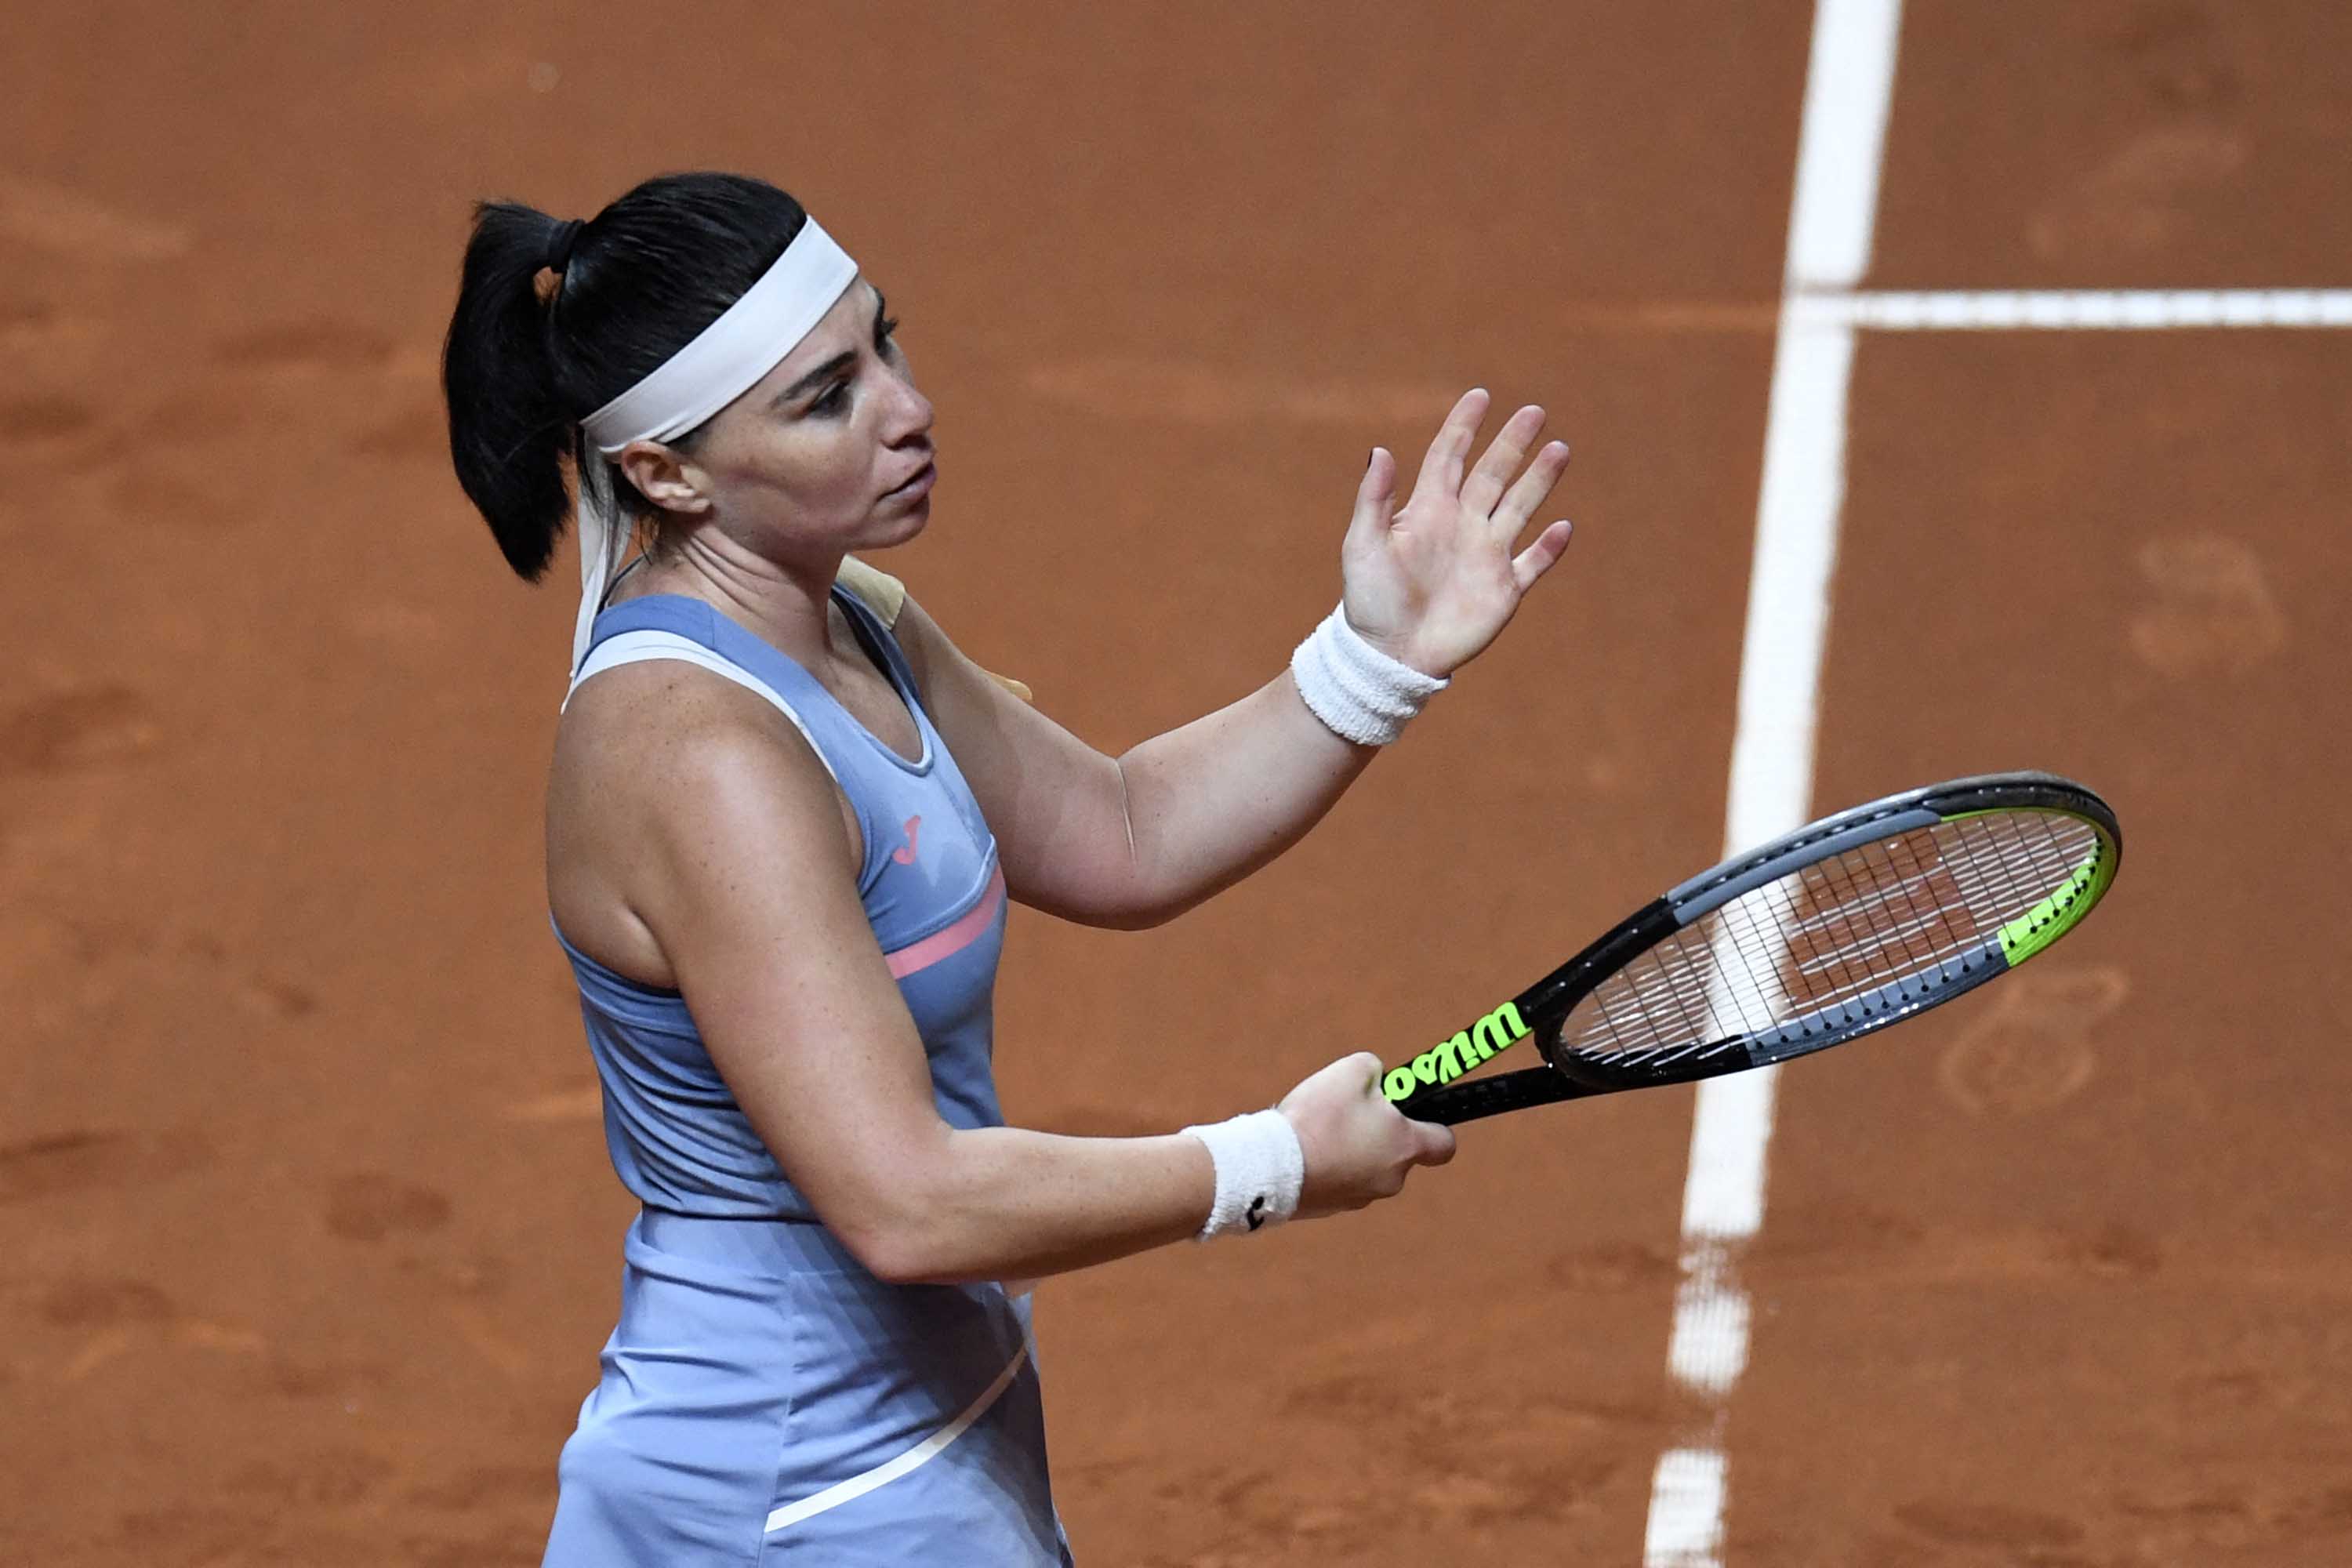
<point>907,416</point>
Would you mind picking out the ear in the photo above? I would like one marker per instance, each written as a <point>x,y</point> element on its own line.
<point>665,477</point>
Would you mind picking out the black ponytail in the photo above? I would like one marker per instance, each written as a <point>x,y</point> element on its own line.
<point>507,431</point>
<point>527,360</point>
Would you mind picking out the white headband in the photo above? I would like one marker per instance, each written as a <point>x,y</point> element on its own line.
<point>749,338</point>
<point>725,359</point>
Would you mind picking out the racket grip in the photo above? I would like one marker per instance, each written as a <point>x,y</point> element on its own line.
<point>1469,1099</point>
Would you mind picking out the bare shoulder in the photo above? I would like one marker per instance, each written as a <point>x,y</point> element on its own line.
<point>921,639</point>
<point>936,660</point>
<point>669,784</point>
<point>660,723</point>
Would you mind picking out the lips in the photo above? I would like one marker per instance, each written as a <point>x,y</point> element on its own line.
<point>918,483</point>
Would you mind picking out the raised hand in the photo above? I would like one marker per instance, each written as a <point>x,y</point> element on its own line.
<point>1432,583</point>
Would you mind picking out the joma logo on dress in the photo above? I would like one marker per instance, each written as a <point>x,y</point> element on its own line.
<point>1449,1059</point>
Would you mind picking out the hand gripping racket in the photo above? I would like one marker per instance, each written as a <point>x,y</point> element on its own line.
<point>1858,922</point>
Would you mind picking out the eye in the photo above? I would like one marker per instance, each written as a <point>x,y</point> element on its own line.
<point>884,330</point>
<point>831,399</point>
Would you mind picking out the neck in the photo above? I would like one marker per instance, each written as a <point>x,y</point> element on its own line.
<point>787,602</point>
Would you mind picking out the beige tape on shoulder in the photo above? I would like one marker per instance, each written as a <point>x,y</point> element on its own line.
<point>886,595</point>
<point>878,591</point>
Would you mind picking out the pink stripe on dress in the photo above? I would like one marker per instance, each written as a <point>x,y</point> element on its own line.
<point>954,938</point>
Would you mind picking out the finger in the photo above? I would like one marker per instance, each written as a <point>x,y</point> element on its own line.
<point>1440,470</point>
<point>1502,459</point>
<point>1528,493</point>
<point>1375,496</point>
<point>1436,1143</point>
<point>1541,557</point>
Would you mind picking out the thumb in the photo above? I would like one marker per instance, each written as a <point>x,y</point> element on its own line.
<point>1436,1143</point>
<point>1375,496</point>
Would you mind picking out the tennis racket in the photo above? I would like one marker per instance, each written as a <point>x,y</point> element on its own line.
<point>1836,930</point>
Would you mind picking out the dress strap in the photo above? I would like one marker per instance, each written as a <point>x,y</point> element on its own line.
<point>652,643</point>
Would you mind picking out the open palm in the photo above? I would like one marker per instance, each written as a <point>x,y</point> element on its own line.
<point>1430,583</point>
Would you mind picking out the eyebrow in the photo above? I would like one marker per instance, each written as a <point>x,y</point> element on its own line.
<point>831,367</point>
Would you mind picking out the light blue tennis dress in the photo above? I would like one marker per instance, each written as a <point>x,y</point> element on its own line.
<point>765,1399</point>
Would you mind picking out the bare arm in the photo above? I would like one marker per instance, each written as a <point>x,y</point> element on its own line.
<point>1136,839</point>
<point>1133,840</point>
<point>746,885</point>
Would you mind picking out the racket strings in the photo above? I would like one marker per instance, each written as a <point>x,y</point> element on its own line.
<point>1843,941</point>
<point>1898,914</point>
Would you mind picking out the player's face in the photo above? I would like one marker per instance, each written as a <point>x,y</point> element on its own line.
<point>831,449</point>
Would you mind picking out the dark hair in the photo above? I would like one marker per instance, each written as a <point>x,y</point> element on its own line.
<point>525,361</point>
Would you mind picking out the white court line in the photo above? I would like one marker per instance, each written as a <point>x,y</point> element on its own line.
<point>2075,309</point>
<point>1686,1508</point>
<point>1849,83</point>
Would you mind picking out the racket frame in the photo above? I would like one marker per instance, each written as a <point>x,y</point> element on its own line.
<point>1545,1006</point>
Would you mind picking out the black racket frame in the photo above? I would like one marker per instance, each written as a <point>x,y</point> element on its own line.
<point>1546,1005</point>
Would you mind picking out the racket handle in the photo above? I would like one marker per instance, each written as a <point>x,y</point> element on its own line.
<point>1467,1100</point>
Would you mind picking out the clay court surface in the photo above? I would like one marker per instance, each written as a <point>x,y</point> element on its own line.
<point>310,1237</point>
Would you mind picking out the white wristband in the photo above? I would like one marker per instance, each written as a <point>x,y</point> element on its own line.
<point>1260,1168</point>
<point>1359,693</point>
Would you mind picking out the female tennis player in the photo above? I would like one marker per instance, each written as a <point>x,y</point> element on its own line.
<point>783,820</point>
